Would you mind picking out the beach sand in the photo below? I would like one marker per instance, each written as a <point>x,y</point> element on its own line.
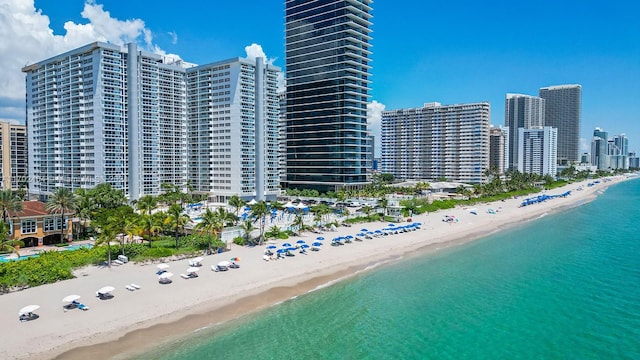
<point>122,326</point>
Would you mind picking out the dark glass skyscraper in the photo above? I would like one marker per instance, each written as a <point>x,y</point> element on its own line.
<point>563,111</point>
<point>327,74</point>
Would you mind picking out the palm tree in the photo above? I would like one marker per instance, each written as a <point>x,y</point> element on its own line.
<point>6,244</point>
<point>177,220</point>
<point>259,210</point>
<point>298,222</point>
<point>105,236</point>
<point>84,209</point>
<point>9,202</point>
<point>247,228</point>
<point>237,203</point>
<point>383,202</point>
<point>62,201</point>
<point>146,204</point>
<point>211,224</point>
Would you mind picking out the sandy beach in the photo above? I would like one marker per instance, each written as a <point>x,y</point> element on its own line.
<point>124,325</point>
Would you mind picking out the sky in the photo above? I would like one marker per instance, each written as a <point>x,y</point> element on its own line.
<point>450,52</point>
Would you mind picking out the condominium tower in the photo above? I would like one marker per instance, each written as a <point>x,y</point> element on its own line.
<point>13,161</point>
<point>537,150</point>
<point>102,113</point>
<point>563,105</point>
<point>599,151</point>
<point>233,111</point>
<point>327,66</point>
<point>436,142</point>
<point>521,112</point>
<point>499,149</point>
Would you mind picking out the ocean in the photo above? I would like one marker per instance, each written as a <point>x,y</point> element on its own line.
<point>564,286</point>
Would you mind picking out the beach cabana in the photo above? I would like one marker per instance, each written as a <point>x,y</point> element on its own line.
<point>27,313</point>
<point>104,293</point>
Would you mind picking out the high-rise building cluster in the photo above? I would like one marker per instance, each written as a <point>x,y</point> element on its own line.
<point>137,120</point>
<point>611,153</point>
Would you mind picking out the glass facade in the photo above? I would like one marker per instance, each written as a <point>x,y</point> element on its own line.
<point>327,66</point>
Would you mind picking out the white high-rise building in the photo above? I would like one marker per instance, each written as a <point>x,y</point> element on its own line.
<point>537,151</point>
<point>437,142</point>
<point>233,116</point>
<point>105,113</point>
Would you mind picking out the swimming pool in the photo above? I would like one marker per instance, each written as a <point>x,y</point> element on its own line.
<point>7,258</point>
<point>76,247</point>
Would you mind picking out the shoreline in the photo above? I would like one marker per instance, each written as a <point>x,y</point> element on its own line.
<point>242,292</point>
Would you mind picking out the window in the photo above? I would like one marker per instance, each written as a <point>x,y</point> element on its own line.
<point>28,226</point>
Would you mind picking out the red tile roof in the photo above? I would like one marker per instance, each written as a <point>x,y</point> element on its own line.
<point>31,209</point>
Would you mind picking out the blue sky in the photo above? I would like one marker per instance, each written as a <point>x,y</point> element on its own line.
<point>450,52</point>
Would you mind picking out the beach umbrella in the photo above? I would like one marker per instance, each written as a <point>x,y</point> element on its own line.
<point>304,246</point>
<point>106,289</point>
<point>360,234</point>
<point>224,263</point>
<point>271,247</point>
<point>317,243</point>
<point>197,259</point>
<point>235,259</point>
<point>291,249</point>
<point>364,230</point>
<point>348,237</point>
<point>392,225</point>
<point>165,275</point>
<point>28,309</point>
<point>163,266</point>
<point>286,245</point>
<point>282,251</point>
<point>319,238</point>
<point>193,269</point>
<point>71,298</point>
<point>300,242</point>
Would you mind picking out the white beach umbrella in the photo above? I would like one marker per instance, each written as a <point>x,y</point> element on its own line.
<point>71,298</point>
<point>106,289</point>
<point>28,309</point>
<point>193,269</point>
<point>224,263</point>
<point>197,259</point>
<point>166,275</point>
<point>163,266</point>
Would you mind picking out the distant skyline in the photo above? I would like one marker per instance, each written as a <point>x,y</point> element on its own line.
<point>451,53</point>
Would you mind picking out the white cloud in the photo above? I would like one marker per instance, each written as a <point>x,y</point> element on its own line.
<point>374,118</point>
<point>255,51</point>
<point>174,37</point>
<point>28,38</point>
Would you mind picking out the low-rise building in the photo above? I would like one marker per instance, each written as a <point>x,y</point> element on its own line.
<point>36,226</point>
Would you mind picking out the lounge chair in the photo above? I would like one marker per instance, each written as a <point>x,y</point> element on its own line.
<point>117,262</point>
<point>28,317</point>
<point>106,296</point>
<point>266,257</point>
<point>130,288</point>
<point>185,276</point>
<point>137,287</point>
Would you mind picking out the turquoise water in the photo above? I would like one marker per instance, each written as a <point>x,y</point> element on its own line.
<point>566,286</point>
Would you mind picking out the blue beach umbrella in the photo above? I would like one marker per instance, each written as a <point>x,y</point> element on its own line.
<point>271,247</point>
<point>392,224</point>
<point>286,245</point>
<point>364,230</point>
<point>282,251</point>
<point>319,238</point>
<point>304,246</point>
<point>360,234</point>
<point>291,248</point>
<point>348,237</point>
<point>300,242</point>
<point>317,243</point>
